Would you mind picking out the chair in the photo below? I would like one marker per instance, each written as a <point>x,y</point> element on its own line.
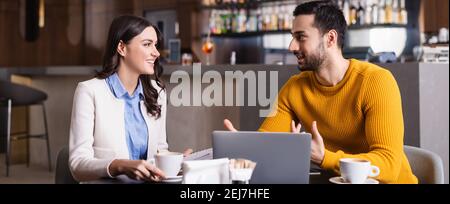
<point>12,95</point>
<point>62,172</point>
<point>426,165</point>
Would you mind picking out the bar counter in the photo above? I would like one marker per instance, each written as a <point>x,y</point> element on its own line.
<point>424,89</point>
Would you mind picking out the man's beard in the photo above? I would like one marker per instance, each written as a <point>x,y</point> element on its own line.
<point>313,61</point>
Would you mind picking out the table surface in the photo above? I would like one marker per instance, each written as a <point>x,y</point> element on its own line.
<point>314,178</point>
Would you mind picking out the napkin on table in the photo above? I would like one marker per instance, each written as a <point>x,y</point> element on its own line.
<point>213,171</point>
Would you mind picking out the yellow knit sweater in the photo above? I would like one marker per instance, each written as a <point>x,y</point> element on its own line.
<point>360,117</point>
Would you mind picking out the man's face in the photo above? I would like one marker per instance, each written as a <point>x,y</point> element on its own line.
<point>307,43</point>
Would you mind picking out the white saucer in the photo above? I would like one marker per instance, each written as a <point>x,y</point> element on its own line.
<point>172,180</point>
<point>340,180</point>
<point>173,177</point>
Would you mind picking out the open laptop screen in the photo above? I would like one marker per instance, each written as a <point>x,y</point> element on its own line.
<point>280,157</point>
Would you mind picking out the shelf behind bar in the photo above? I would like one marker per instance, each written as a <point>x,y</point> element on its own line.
<point>248,34</point>
<point>254,4</point>
<point>260,33</point>
<point>387,25</point>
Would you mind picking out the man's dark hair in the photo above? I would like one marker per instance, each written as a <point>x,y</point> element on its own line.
<point>327,16</point>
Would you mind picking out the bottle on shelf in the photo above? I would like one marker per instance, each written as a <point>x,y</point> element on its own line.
<point>280,17</point>
<point>395,12</point>
<point>360,15</point>
<point>346,11</point>
<point>230,23</point>
<point>260,19</point>
<point>252,25</point>
<point>403,13</point>
<point>274,18</point>
<point>353,12</point>
<point>287,18</point>
<point>374,14</point>
<point>234,21</point>
<point>212,22</point>
<point>381,12</point>
<point>368,13</point>
<point>219,23</point>
<point>267,18</point>
<point>242,19</point>
<point>388,12</point>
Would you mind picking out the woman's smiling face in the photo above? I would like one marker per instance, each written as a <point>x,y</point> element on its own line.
<point>141,52</point>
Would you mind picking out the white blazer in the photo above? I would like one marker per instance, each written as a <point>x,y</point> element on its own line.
<point>97,130</point>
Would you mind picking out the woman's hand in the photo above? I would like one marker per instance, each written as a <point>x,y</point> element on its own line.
<point>136,169</point>
<point>187,152</point>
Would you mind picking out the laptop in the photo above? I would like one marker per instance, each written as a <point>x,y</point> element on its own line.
<point>282,158</point>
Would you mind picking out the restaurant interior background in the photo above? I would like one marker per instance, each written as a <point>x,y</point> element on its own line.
<point>54,44</point>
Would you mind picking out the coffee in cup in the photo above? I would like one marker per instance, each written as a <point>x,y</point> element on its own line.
<point>356,171</point>
<point>169,162</point>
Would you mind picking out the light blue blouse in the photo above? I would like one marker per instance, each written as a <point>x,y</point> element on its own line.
<point>135,127</point>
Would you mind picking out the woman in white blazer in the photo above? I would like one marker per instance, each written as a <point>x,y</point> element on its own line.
<point>119,118</point>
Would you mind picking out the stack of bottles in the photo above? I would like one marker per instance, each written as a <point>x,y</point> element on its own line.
<point>273,16</point>
<point>240,16</point>
<point>374,12</point>
<point>222,2</point>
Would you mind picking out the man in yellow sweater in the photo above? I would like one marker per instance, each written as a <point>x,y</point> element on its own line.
<point>352,109</point>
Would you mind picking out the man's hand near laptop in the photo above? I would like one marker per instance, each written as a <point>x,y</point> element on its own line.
<point>317,145</point>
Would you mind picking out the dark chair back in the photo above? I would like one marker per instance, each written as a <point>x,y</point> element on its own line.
<point>62,173</point>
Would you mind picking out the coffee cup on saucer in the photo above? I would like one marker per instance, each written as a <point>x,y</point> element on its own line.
<point>357,171</point>
<point>169,163</point>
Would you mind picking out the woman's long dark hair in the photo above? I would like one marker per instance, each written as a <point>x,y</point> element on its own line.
<point>124,28</point>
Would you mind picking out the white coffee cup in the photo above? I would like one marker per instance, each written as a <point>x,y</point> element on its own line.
<point>169,162</point>
<point>356,171</point>
<point>443,35</point>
